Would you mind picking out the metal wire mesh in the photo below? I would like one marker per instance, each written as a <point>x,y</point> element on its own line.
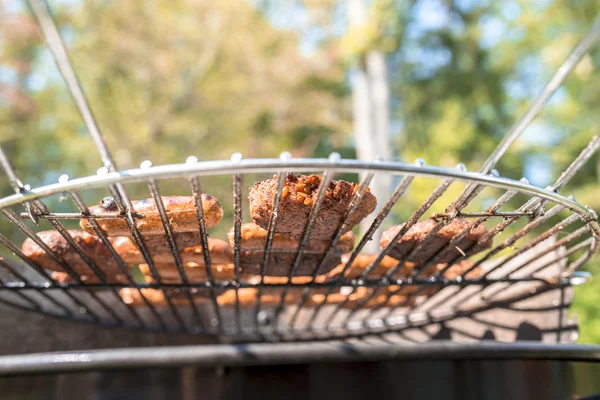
<point>303,309</point>
<point>547,257</point>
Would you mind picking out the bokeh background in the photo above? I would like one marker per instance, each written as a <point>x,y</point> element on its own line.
<point>168,79</point>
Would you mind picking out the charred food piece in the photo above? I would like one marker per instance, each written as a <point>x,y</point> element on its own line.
<point>188,244</point>
<point>416,236</point>
<point>181,211</point>
<point>92,247</point>
<point>283,252</point>
<point>298,196</point>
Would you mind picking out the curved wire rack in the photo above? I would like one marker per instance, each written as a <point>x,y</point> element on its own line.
<point>544,261</point>
<point>293,321</point>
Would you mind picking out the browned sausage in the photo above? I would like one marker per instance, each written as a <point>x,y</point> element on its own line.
<point>299,193</point>
<point>181,211</point>
<point>253,239</point>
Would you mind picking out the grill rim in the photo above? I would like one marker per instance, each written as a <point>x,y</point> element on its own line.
<point>287,354</point>
<point>227,167</point>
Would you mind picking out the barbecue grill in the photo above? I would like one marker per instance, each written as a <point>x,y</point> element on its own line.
<point>522,292</point>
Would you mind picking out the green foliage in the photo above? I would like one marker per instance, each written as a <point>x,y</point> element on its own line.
<point>585,307</point>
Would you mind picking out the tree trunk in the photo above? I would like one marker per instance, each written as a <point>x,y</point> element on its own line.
<point>370,95</point>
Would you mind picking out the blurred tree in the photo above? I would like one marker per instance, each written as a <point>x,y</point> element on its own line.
<point>165,79</point>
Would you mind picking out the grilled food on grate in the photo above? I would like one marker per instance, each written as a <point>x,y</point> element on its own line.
<point>282,256</point>
<point>415,236</point>
<point>407,270</point>
<point>181,211</point>
<point>92,247</point>
<point>299,194</point>
<point>188,244</point>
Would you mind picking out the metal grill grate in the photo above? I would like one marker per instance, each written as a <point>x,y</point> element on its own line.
<point>557,236</point>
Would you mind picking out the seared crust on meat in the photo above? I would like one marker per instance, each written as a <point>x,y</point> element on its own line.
<point>160,251</point>
<point>363,261</point>
<point>417,233</point>
<point>299,193</point>
<point>282,254</point>
<point>181,211</point>
<point>254,238</point>
<point>91,245</point>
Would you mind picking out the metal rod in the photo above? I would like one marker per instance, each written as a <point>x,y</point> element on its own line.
<point>555,82</point>
<point>572,250</point>
<point>436,194</point>
<point>532,203</point>
<point>457,313</point>
<point>42,13</point>
<point>59,52</point>
<point>139,241</point>
<point>502,200</point>
<point>11,270</point>
<point>580,161</point>
<point>237,240</point>
<point>356,200</point>
<point>544,236</point>
<point>483,214</point>
<point>383,213</point>
<point>274,165</point>
<point>54,216</point>
<point>269,241</point>
<point>450,245</point>
<point>8,244</point>
<point>6,165</point>
<point>385,210</point>
<point>513,239</point>
<point>196,193</point>
<point>227,285</point>
<point>17,186</point>
<point>80,204</point>
<point>33,236</point>
<point>312,217</point>
<point>537,203</point>
<point>538,240</point>
<point>36,239</point>
<point>153,186</point>
<point>559,243</point>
